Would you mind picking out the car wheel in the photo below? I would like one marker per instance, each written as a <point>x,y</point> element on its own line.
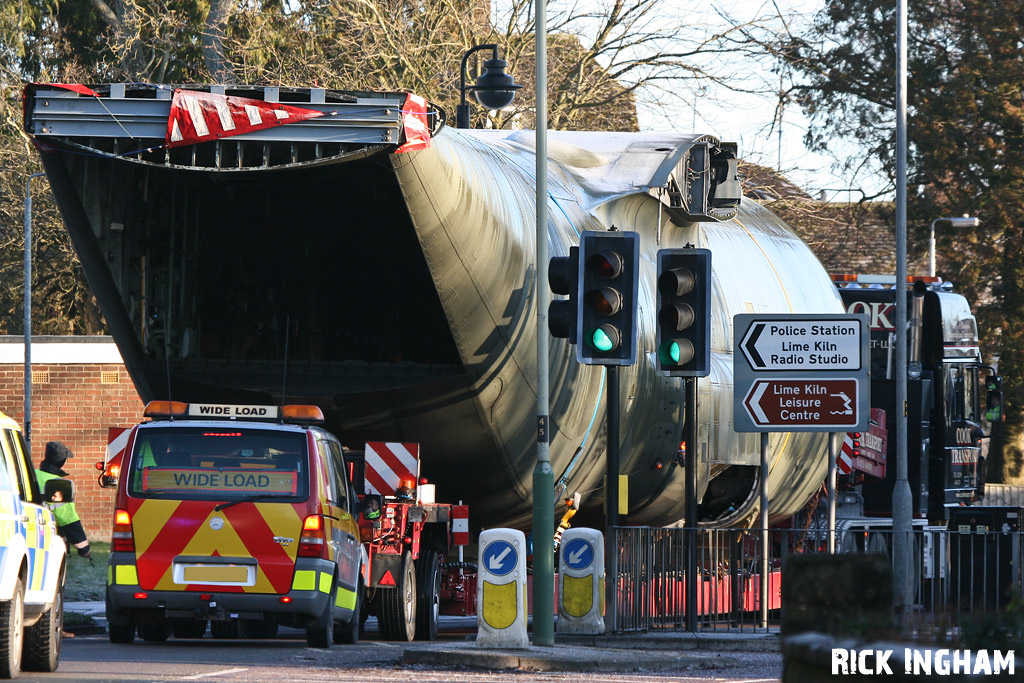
<point>43,638</point>
<point>320,631</point>
<point>12,632</point>
<point>122,634</point>
<point>428,591</point>
<point>396,613</point>
<point>348,634</point>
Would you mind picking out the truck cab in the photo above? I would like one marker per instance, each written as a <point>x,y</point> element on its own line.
<point>946,382</point>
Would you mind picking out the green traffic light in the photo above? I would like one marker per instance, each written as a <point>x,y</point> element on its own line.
<point>601,340</point>
<point>676,351</point>
<point>605,338</point>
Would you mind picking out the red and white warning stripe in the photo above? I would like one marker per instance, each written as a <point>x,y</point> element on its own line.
<point>202,116</point>
<point>844,461</point>
<point>387,463</point>
<point>117,439</point>
<point>460,525</point>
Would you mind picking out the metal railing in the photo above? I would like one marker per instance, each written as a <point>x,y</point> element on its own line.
<point>956,571</point>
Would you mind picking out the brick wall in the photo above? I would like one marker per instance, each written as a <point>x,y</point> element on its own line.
<point>75,403</point>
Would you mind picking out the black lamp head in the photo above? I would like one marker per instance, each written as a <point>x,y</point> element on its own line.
<point>494,88</point>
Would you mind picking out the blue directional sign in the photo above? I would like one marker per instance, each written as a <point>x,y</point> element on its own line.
<point>500,558</point>
<point>578,554</point>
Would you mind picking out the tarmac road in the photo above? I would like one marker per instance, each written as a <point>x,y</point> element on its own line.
<point>638,658</point>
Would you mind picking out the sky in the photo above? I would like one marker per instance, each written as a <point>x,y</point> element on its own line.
<point>747,119</point>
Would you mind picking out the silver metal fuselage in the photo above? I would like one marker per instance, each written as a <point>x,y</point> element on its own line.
<point>398,290</point>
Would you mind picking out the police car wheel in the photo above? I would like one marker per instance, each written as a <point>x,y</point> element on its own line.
<point>43,638</point>
<point>12,613</point>
<point>428,591</point>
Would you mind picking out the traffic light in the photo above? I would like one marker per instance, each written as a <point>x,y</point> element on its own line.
<point>684,312</point>
<point>563,277</point>
<point>607,298</point>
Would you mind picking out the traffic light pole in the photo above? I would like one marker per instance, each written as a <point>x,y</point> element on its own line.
<point>690,490</point>
<point>543,475</point>
<point>611,553</point>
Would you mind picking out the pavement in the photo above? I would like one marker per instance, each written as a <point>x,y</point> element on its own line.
<point>572,653</point>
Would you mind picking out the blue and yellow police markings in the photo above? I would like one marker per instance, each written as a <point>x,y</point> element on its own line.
<point>7,521</point>
<point>38,534</point>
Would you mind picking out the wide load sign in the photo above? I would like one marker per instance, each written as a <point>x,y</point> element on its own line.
<point>801,373</point>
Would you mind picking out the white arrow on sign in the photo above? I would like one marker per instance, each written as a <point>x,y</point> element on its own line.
<point>815,344</point>
<point>578,555</point>
<point>496,561</point>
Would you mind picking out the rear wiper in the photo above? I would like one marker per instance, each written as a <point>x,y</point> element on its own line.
<point>247,499</point>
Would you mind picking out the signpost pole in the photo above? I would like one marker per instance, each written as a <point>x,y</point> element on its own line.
<point>832,455</point>
<point>764,530</point>
<point>690,491</point>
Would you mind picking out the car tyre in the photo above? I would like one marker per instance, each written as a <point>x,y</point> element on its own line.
<point>43,638</point>
<point>320,631</point>
<point>12,631</point>
<point>348,634</point>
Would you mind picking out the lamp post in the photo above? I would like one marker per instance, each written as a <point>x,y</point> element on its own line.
<point>964,221</point>
<point>494,89</point>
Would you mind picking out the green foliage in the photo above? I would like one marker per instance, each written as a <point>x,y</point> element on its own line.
<point>966,146</point>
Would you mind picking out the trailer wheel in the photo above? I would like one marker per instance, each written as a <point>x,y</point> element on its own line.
<point>122,634</point>
<point>188,628</point>
<point>396,612</point>
<point>156,632</point>
<point>428,591</point>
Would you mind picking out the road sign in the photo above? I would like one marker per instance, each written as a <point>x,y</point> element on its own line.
<point>579,554</point>
<point>801,373</point>
<point>804,344</point>
<point>500,558</point>
<point>825,404</point>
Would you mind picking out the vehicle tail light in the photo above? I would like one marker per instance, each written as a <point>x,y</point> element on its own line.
<point>313,542</point>
<point>122,540</point>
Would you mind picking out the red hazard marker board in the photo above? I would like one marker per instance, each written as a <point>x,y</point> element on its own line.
<point>825,404</point>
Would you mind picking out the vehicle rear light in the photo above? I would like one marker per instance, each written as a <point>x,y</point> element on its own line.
<point>140,596</point>
<point>121,540</point>
<point>313,542</point>
<point>284,599</point>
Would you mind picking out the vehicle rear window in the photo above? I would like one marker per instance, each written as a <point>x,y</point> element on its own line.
<point>219,463</point>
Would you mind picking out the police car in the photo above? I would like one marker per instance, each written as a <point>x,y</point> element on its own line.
<point>237,516</point>
<point>32,561</point>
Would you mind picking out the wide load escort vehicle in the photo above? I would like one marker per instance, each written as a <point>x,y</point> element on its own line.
<point>241,516</point>
<point>248,517</point>
<point>32,561</point>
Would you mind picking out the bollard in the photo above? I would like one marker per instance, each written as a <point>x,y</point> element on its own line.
<point>581,582</point>
<point>501,590</point>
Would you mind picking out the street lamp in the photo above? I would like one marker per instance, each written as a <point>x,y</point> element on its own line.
<point>964,221</point>
<point>494,88</point>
